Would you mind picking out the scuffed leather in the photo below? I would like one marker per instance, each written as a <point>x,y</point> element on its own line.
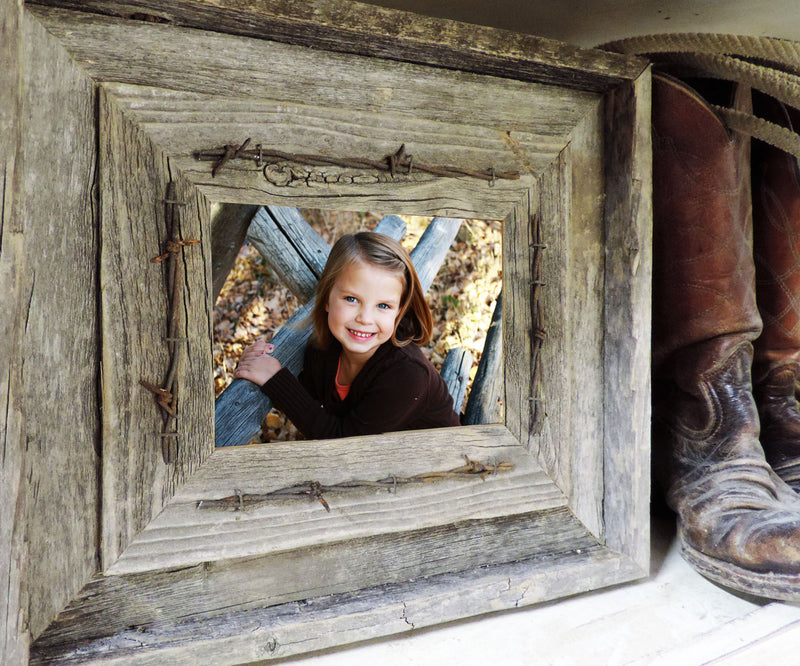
<point>776,367</point>
<point>780,420</point>
<point>776,218</point>
<point>730,504</point>
<point>703,271</point>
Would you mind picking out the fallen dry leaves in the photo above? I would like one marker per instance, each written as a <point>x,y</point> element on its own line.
<point>254,303</point>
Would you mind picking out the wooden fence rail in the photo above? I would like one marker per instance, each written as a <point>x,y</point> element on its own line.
<point>485,400</point>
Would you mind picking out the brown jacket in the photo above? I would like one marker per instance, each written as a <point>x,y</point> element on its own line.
<point>397,389</point>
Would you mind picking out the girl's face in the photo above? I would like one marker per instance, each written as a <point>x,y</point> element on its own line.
<point>363,307</point>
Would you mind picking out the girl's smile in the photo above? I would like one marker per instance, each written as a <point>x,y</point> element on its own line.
<point>363,307</point>
<point>359,335</point>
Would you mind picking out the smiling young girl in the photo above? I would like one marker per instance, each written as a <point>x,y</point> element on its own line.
<point>363,372</point>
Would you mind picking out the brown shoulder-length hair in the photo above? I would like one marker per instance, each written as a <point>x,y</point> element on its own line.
<point>414,320</point>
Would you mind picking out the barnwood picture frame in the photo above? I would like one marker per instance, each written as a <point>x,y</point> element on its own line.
<point>108,552</point>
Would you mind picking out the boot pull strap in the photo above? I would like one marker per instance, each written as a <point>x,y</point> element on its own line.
<point>772,66</point>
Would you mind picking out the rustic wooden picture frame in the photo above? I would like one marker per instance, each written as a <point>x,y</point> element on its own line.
<point>136,94</point>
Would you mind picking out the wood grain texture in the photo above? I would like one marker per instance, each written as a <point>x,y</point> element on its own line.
<point>229,225</point>
<point>240,636</point>
<point>552,438</point>
<point>291,247</point>
<point>183,535</point>
<point>455,372</point>
<point>57,196</point>
<point>313,249</point>
<point>134,325</point>
<point>627,318</point>
<point>183,123</point>
<point>585,333</point>
<point>136,481</point>
<point>14,290</point>
<point>167,91</point>
<point>345,111</point>
<point>431,249</point>
<point>112,605</point>
<point>209,63</point>
<point>374,31</point>
<point>485,402</point>
<point>562,417</point>
<point>520,390</point>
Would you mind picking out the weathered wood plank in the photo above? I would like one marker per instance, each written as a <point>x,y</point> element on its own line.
<point>280,119</point>
<point>455,372</point>
<point>134,315</point>
<point>195,386</point>
<point>485,402</point>
<point>182,535</point>
<point>182,122</point>
<point>628,279</point>
<point>136,479</point>
<point>229,224</point>
<point>563,418</point>
<point>291,247</point>
<point>59,349</point>
<point>311,246</point>
<point>284,630</point>
<point>240,408</point>
<point>165,56</point>
<point>418,194</point>
<point>519,389</point>
<point>583,311</point>
<point>14,288</point>
<point>113,604</point>
<point>431,249</point>
<point>385,33</point>
<point>552,439</point>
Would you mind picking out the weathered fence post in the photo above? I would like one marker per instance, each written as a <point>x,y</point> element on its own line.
<point>483,405</point>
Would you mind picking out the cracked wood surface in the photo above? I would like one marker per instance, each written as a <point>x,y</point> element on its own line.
<point>242,636</point>
<point>182,535</point>
<point>136,480</point>
<point>338,122</point>
<point>55,487</point>
<point>291,247</point>
<point>59,347</point>
<point>374,31</point>
<point>110,605</point>
<point>14,305</point>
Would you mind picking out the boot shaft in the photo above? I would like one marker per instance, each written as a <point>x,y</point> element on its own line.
<point>704,276</point>
<point>776,220</point>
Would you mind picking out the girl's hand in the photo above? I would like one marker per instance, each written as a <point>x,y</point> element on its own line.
<point>256,364</point>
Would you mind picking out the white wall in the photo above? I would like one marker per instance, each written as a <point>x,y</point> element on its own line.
<point>592,22</point>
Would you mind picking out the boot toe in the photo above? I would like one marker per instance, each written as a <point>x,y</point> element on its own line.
<point>756,551</point>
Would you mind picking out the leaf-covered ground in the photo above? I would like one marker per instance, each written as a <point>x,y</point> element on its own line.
<point>254,303</point>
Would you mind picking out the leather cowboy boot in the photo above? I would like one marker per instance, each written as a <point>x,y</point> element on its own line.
<point>738,523</point>
<point>776,225</point>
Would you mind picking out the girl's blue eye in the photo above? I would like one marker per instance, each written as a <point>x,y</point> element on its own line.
<point>350,299</point>
<point>383,306</point>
